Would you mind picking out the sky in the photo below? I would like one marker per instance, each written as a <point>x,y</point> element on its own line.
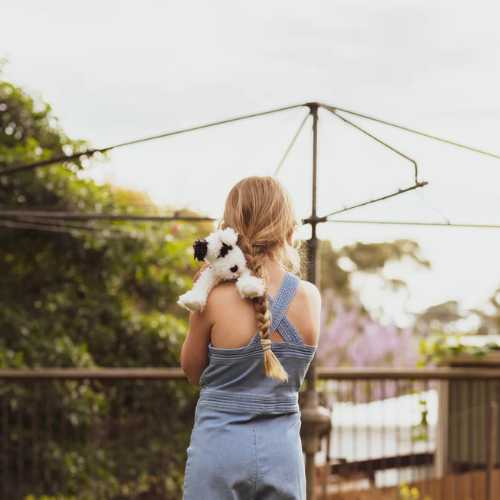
<point>118,70</point>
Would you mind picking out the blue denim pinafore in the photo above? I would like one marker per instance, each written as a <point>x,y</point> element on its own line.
<point>245,444</point>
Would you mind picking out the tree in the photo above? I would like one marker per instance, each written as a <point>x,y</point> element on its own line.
<point>338,266</point>
<point>350,335</point>
<point>449,318</point>
<point>88,294</point>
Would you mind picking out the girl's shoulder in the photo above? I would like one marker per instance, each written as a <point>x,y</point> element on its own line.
<point>306,290</point>
<point>223,293</point>
<point>310,291</point>
<point>304,312</point>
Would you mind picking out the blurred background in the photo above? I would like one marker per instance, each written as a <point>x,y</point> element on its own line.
<point>411,282</point>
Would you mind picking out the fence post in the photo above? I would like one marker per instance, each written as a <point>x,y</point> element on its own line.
<point>492,448</point>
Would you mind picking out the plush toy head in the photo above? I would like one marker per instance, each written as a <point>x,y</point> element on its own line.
<point>227,262</point>
<point>220,251</point>
<point>215,246</point>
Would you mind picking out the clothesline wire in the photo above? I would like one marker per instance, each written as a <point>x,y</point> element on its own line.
<point>291,145</point>
<point>406,223</point>
<point>332,110</point>
<point>413,131</point>
<point>332,170</point>
<point>423,199</point>
<point>63,229</point>
<point>65,158</point>
<point>88,216</point>
<point>400,191</point>
<point>69,215</point>
<point>241,164</point>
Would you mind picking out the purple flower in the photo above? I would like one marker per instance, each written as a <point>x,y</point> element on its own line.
<point>350,337</point>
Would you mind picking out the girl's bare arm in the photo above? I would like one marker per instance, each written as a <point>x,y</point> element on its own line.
<point>194,353</point>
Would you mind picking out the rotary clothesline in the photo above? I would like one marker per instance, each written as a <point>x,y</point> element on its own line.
<point>37,216</point>
<point>333,109</point>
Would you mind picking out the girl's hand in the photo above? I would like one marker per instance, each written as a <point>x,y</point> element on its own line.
<point>198,274</point>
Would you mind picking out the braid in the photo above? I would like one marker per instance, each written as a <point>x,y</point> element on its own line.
<point>272,366</point>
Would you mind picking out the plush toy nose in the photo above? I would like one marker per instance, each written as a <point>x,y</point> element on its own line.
<point>200,249</point>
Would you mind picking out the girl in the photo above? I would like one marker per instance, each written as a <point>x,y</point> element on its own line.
<point>250,359</point>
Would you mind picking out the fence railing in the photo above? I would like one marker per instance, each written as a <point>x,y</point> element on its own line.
<point>430,429</point>
<point>122,433</point>
<point>94,434</point>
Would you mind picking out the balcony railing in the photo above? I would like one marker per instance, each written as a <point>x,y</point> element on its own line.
<point>121,433</point>
<point>430,429</point>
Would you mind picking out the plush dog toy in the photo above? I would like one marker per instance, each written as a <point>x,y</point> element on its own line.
<point>227,262</point>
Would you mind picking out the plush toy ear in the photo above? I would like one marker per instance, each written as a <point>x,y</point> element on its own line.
<point>200,249</point>
<point>228,236</point>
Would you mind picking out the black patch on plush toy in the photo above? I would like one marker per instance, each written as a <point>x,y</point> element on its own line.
<point>233,269</point>
<point>200,249</point>
<point>224,250</point>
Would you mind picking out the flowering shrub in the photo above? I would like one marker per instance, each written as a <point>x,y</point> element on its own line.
<point>350,337</point>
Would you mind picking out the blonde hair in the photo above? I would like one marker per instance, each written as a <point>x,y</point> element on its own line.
<point>261,210</point>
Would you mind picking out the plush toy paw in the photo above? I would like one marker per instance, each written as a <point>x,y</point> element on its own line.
<point>192,301</point>
<point>250,286</point>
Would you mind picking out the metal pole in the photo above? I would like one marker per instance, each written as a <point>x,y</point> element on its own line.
<point>311,377</point>
<point>315,419</point>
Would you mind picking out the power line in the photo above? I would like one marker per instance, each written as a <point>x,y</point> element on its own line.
<point>56,159</point>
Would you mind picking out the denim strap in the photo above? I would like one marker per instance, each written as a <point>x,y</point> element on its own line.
<point>279,307</point>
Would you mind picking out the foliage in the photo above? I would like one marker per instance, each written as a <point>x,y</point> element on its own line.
<point>350,337</point>
<point>339,265</point>
<point>408,493</point>
<point>450,318</point>
<point>435,349</point>
<point>86,295</point>
<point>420,431</point>
<point>102,294</point>
<point>490,322</point>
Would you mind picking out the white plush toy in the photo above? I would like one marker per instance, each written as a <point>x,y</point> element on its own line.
<point>226,262</point>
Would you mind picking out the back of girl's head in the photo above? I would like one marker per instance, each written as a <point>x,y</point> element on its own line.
<point>262,212</point>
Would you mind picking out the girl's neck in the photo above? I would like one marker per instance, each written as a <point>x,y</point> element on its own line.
<point>276,273</point>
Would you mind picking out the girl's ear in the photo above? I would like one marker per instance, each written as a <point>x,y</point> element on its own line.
<point>290,236</point>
